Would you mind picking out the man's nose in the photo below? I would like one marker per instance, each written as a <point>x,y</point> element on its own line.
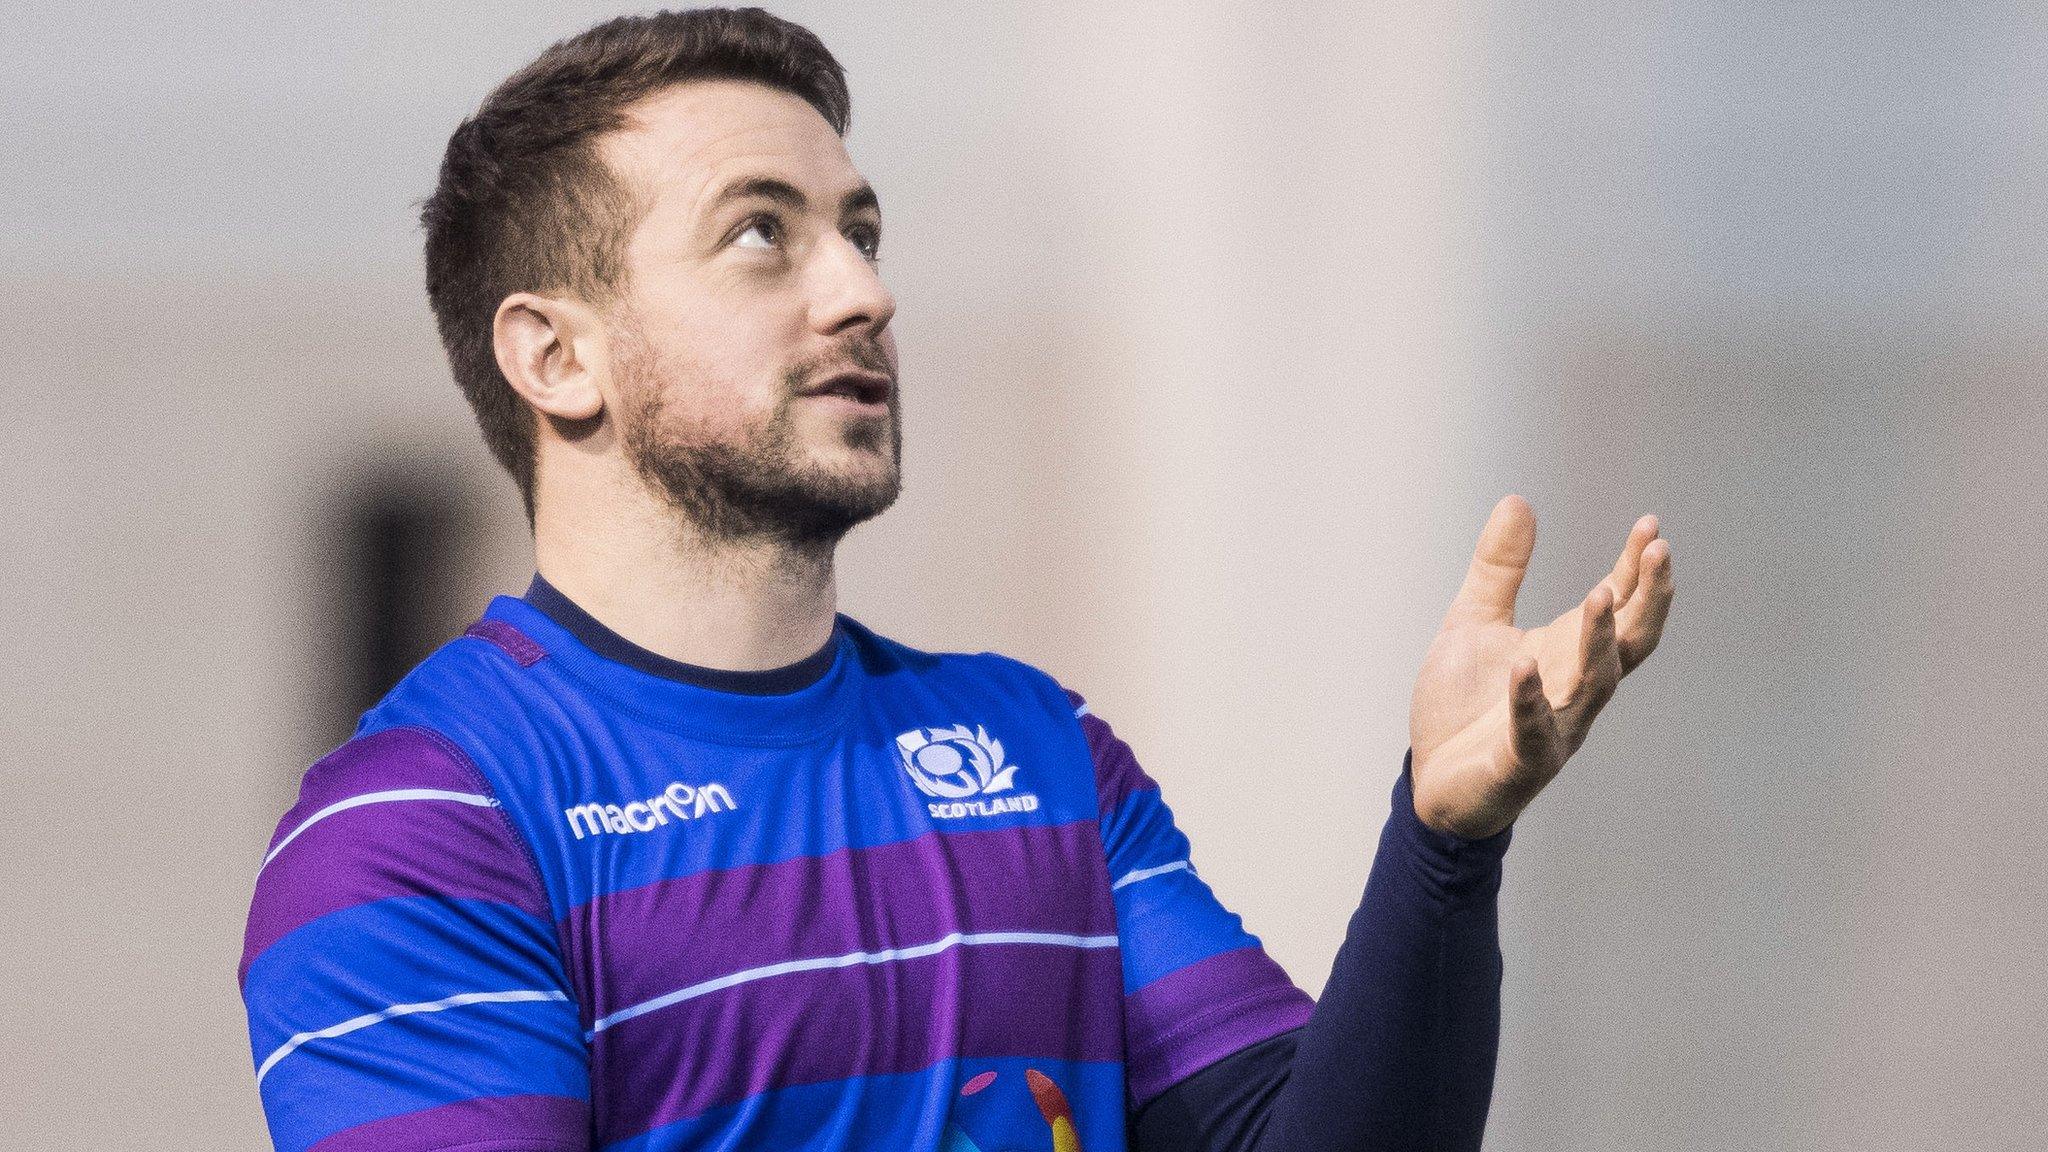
<point>847,291</point>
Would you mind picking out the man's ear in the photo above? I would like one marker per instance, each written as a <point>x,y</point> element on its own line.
<point>552,351</point>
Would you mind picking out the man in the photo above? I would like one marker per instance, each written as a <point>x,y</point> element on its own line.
<point>668,854</point>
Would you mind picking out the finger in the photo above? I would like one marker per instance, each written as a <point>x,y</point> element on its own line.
<point>1539,748</point>
<point>1498,563</point>
<point>1623,579</point>
<point>1596,655</point>
<point>1640,624</point>
<point>1596,627</point>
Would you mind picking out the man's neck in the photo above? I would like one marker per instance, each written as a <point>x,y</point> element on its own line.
<point>740,606</point>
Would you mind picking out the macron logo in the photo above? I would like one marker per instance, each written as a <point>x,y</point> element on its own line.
<point>678,801</point>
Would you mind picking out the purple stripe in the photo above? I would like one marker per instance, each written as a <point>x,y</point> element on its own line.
<point>624,947</point>
<point>403,848</point>
<point>975,1001</point>
<point>523,649</point>
<point>1194,1016</point>
<point>533,1121</point>
<point>1117,772</point>
<point>383,761</point>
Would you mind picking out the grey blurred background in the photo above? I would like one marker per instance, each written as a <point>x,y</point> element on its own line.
<point>1222,327</point>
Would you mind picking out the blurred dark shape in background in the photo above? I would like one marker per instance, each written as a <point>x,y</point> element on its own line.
<point>399,535</point>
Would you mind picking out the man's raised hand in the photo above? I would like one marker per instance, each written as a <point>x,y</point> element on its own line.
<point>1498,710</point>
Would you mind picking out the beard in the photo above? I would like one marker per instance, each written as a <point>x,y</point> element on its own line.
<point>759,487</point>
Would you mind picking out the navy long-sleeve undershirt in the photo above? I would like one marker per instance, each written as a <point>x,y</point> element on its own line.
<point>1399,1052</point>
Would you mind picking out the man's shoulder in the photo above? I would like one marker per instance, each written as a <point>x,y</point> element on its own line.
<point>987,670</point>
<point>418,734</point>
<point>435,731</point>
<point>477,683</point>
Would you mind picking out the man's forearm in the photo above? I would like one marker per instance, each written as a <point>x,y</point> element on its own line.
<point>1399,1053</point>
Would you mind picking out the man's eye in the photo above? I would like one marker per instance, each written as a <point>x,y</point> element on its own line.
<point>760,232</point>
<point>868,240</point>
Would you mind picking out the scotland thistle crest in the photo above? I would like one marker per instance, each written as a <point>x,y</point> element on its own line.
<point>955,763</point>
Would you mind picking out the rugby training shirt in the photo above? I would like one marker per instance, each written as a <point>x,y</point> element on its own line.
<point>549,898</point>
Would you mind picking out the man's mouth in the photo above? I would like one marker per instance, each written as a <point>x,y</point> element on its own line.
<point>864,388</point>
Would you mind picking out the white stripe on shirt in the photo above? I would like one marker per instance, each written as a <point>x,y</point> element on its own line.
<point>376,798</point>
<point>361,1022</point>
<point>1148,873</point>
<point>882,957</point>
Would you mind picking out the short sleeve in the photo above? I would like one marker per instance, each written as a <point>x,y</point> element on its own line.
<point>1197,986</point>
<point>401,975</point>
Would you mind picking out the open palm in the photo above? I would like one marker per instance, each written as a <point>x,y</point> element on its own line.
<point>1497,709</point>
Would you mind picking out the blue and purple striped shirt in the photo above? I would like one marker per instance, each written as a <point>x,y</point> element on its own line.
<point>551,899</point>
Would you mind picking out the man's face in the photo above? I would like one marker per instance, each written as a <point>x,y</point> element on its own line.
<point>755,375</point>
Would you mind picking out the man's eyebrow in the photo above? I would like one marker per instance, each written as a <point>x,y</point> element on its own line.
<point>790,196</point>
<point>860,198</point>
<point>765,187</point>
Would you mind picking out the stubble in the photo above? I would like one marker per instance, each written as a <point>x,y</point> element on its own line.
<point>757,487</point>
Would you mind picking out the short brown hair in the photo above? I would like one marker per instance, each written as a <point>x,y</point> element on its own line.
<point>525,203</point>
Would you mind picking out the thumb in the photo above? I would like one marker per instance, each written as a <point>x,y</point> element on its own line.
<point>1498,563</point>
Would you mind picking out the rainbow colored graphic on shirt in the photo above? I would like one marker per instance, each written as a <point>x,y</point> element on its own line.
<point>1052,1104</point>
